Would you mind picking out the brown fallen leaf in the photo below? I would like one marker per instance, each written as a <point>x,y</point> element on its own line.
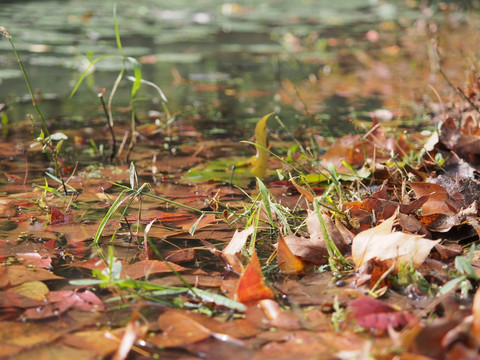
<point>98,341</point>
<point>306,193</point>
<point>182,327</point>
<point>313,249</point>
<point>277,317</point>
<point>439,200</point>
<point>18,274</point>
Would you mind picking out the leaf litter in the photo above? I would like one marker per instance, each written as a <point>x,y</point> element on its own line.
<point>369,250</point>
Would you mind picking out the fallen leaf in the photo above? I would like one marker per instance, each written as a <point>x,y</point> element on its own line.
<point>34,259</point>
<point>381,243</point>
<point>313,249</point>
<point>374,314</point>
<point>307,194</point>
<point>60,301</point>
<point>287,261</point>
<point>18,274</point>
<point>439,200</point>
<point>58,217</point>
<point>35,290</point>
<point>56,351</point>
<point>180,255</point>
<point>16,336</point>
<point>98,341</point>
<point>133,331</point>
<point>251,286</point>
<point>277,317</point>
<point>184,327</point>
<point>238,241</point>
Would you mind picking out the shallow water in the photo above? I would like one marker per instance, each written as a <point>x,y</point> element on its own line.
<point>230,60</point>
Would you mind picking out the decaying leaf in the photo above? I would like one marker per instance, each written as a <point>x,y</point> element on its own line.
<point>307,194</point>
<point>381,243</point>
<point>234,247</point>
<point>35,290</point>
<point>277,317</point>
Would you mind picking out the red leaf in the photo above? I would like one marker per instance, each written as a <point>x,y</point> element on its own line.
<point>251,286</point>
<point>57,217</point>
<point>371,313</point>
<point>34,259</point>
<point>60,301</point>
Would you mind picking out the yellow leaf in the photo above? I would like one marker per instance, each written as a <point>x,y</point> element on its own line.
<point>260,161</point>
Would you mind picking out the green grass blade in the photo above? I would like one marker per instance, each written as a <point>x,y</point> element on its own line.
<point>220,300</point>
<point>138,77</point>
<point>194,226</point>
<point>85,72</point>
<point>56,179</point>
<point>333,252</point>
<point>173,202</point>
<point>119,201</point>
<point>149,83</point>
<point>59,194</point>
<point>117,31</point>
<point>266,200</point>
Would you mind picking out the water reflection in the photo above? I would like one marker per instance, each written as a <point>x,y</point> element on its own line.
<point>235,61</point>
